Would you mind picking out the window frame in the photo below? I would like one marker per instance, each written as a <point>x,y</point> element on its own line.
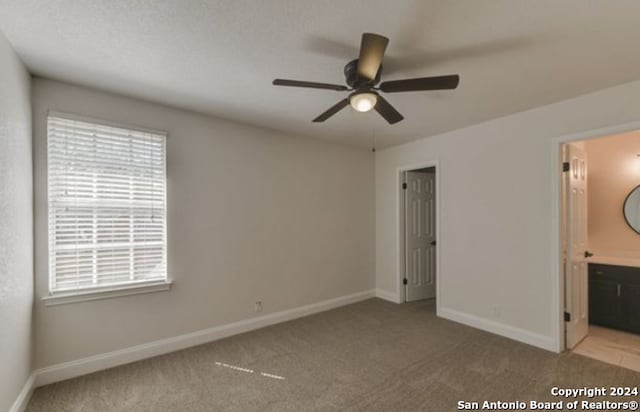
<point>57,297</point>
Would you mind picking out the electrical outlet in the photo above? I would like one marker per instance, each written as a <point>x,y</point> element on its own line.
<point>258,306</point>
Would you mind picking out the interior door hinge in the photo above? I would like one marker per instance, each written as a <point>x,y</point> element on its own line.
<point>567,317</point>
<point>566,166</point>
<point>405,281</point>
<point>404,186</point>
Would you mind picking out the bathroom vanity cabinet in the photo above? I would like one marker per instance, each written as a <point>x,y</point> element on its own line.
<point>614,296</point>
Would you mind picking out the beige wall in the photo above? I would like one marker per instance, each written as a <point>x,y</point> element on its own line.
<point>252,215</point>
<point>16,226</point>
<point>614,170</point>
<point>496,265</point>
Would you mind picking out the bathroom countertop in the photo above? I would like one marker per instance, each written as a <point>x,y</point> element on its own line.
<point>614,260</point>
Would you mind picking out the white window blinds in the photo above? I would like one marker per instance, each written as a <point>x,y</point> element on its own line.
<point>107,205</point>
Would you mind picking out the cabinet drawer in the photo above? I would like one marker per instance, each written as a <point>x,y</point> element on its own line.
<point>620,273</point>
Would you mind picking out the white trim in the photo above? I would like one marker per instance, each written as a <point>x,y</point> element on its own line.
<point>79,367</point>
<point>400,230</point>
<point>24,396</point>
<point>557,284</point>
<point>511,332</point>
<point>62,298</point>
<point>390,296</point>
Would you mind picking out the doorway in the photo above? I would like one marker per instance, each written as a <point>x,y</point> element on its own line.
<point>600,247</point>
<point>418,234</point>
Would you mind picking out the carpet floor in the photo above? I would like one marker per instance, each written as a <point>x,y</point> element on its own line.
<point>369,356</point>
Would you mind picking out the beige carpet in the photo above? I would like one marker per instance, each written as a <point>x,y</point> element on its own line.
<point>370,356</point>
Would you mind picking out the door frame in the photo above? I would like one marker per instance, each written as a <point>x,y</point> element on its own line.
<point>557,270</point>
<point>401,227</point>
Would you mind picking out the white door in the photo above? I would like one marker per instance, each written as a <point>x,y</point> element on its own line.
<point>420,235</point>
<point>576,270</point>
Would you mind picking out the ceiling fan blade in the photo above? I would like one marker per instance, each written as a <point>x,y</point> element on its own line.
<point>312,85</point>
<point>387,111</point>
<point>372,50</point>
<point>332,110</point>
<point>422,83</point>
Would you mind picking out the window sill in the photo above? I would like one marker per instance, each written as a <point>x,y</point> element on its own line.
<point>62,298</point>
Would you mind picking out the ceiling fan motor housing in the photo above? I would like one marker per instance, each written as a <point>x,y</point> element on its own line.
<point>357,82</point>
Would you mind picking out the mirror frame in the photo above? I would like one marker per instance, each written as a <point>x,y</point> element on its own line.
<point>624,204</point>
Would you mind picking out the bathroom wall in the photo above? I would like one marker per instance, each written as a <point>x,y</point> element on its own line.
<point>614,170</point>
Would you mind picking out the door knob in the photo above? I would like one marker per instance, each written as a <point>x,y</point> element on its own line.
<point>587,254</point>
<point>433,243</point>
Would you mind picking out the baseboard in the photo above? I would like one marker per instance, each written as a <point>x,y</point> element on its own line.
<point>511,332</point>
<point>391,297</point>
<point>72,369</point>
<point>24,396</point>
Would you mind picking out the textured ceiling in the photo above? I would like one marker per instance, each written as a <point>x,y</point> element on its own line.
<point>219,57</point>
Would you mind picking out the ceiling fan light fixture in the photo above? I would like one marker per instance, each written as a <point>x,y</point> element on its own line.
<point>363,102</point>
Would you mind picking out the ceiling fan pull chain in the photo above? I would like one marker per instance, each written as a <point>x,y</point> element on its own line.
<point>373,139</point>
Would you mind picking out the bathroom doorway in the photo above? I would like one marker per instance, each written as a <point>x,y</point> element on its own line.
<point>600,247</point>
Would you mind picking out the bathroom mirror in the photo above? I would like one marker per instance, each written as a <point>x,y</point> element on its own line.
<point>631,209</point>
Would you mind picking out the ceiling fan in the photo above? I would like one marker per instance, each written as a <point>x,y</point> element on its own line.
<point>363,74</point>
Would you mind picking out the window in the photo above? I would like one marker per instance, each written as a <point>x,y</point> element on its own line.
<point>107,206</point>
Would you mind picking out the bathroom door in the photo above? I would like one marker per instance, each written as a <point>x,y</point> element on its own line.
<point>576,269</point>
